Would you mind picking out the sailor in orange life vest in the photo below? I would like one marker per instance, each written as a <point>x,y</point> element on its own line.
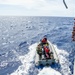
<point>46,52</point>
<point>73,33</point>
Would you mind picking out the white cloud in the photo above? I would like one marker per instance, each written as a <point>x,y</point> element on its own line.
<point>29,2</point>
<point>44,7</point>
<point>33,3</point>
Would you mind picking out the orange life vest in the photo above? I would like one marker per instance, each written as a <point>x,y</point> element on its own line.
<point>47,50</point>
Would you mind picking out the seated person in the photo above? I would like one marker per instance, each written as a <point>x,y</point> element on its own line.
<point>46,52</point>
<point>39,50</point>
<point>44,42</point>
<point>73,33</point>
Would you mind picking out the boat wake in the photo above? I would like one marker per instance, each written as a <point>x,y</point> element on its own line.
<point>28,62</point>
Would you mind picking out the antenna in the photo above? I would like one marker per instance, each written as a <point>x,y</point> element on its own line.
<point>65,4</point>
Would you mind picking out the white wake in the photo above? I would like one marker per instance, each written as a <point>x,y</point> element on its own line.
<point>26,61</point>
<point>29,58</point>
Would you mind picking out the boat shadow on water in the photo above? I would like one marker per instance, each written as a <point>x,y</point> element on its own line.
<point>55,66</point>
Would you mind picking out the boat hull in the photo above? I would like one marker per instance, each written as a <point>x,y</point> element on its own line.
<point>50,61</point>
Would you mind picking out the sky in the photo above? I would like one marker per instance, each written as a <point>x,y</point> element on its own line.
<point>37,8</point>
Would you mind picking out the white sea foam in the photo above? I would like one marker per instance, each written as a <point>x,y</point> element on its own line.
<point>49,71</point>
<point>29,58</point>
<point>26,61</point>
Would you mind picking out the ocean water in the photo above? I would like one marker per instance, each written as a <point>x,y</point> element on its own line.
<point>17,34</point>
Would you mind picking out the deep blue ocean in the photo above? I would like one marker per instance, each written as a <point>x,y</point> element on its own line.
<point>18,33</point>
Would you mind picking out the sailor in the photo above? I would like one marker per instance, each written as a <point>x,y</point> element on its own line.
<point>44,42</point>
<point>39,51</point>
<point>40,47</point>
<point>47,51</point>
<point>73,33</point>
<point>74,27</point>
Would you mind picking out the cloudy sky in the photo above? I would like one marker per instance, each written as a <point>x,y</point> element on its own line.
<point>37,8</point>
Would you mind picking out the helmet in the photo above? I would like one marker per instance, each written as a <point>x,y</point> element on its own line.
<point>44,40</point>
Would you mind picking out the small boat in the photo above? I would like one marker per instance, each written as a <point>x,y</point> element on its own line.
<point>44,61</point>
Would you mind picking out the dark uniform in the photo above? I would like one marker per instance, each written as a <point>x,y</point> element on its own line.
<point>73,33</point>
